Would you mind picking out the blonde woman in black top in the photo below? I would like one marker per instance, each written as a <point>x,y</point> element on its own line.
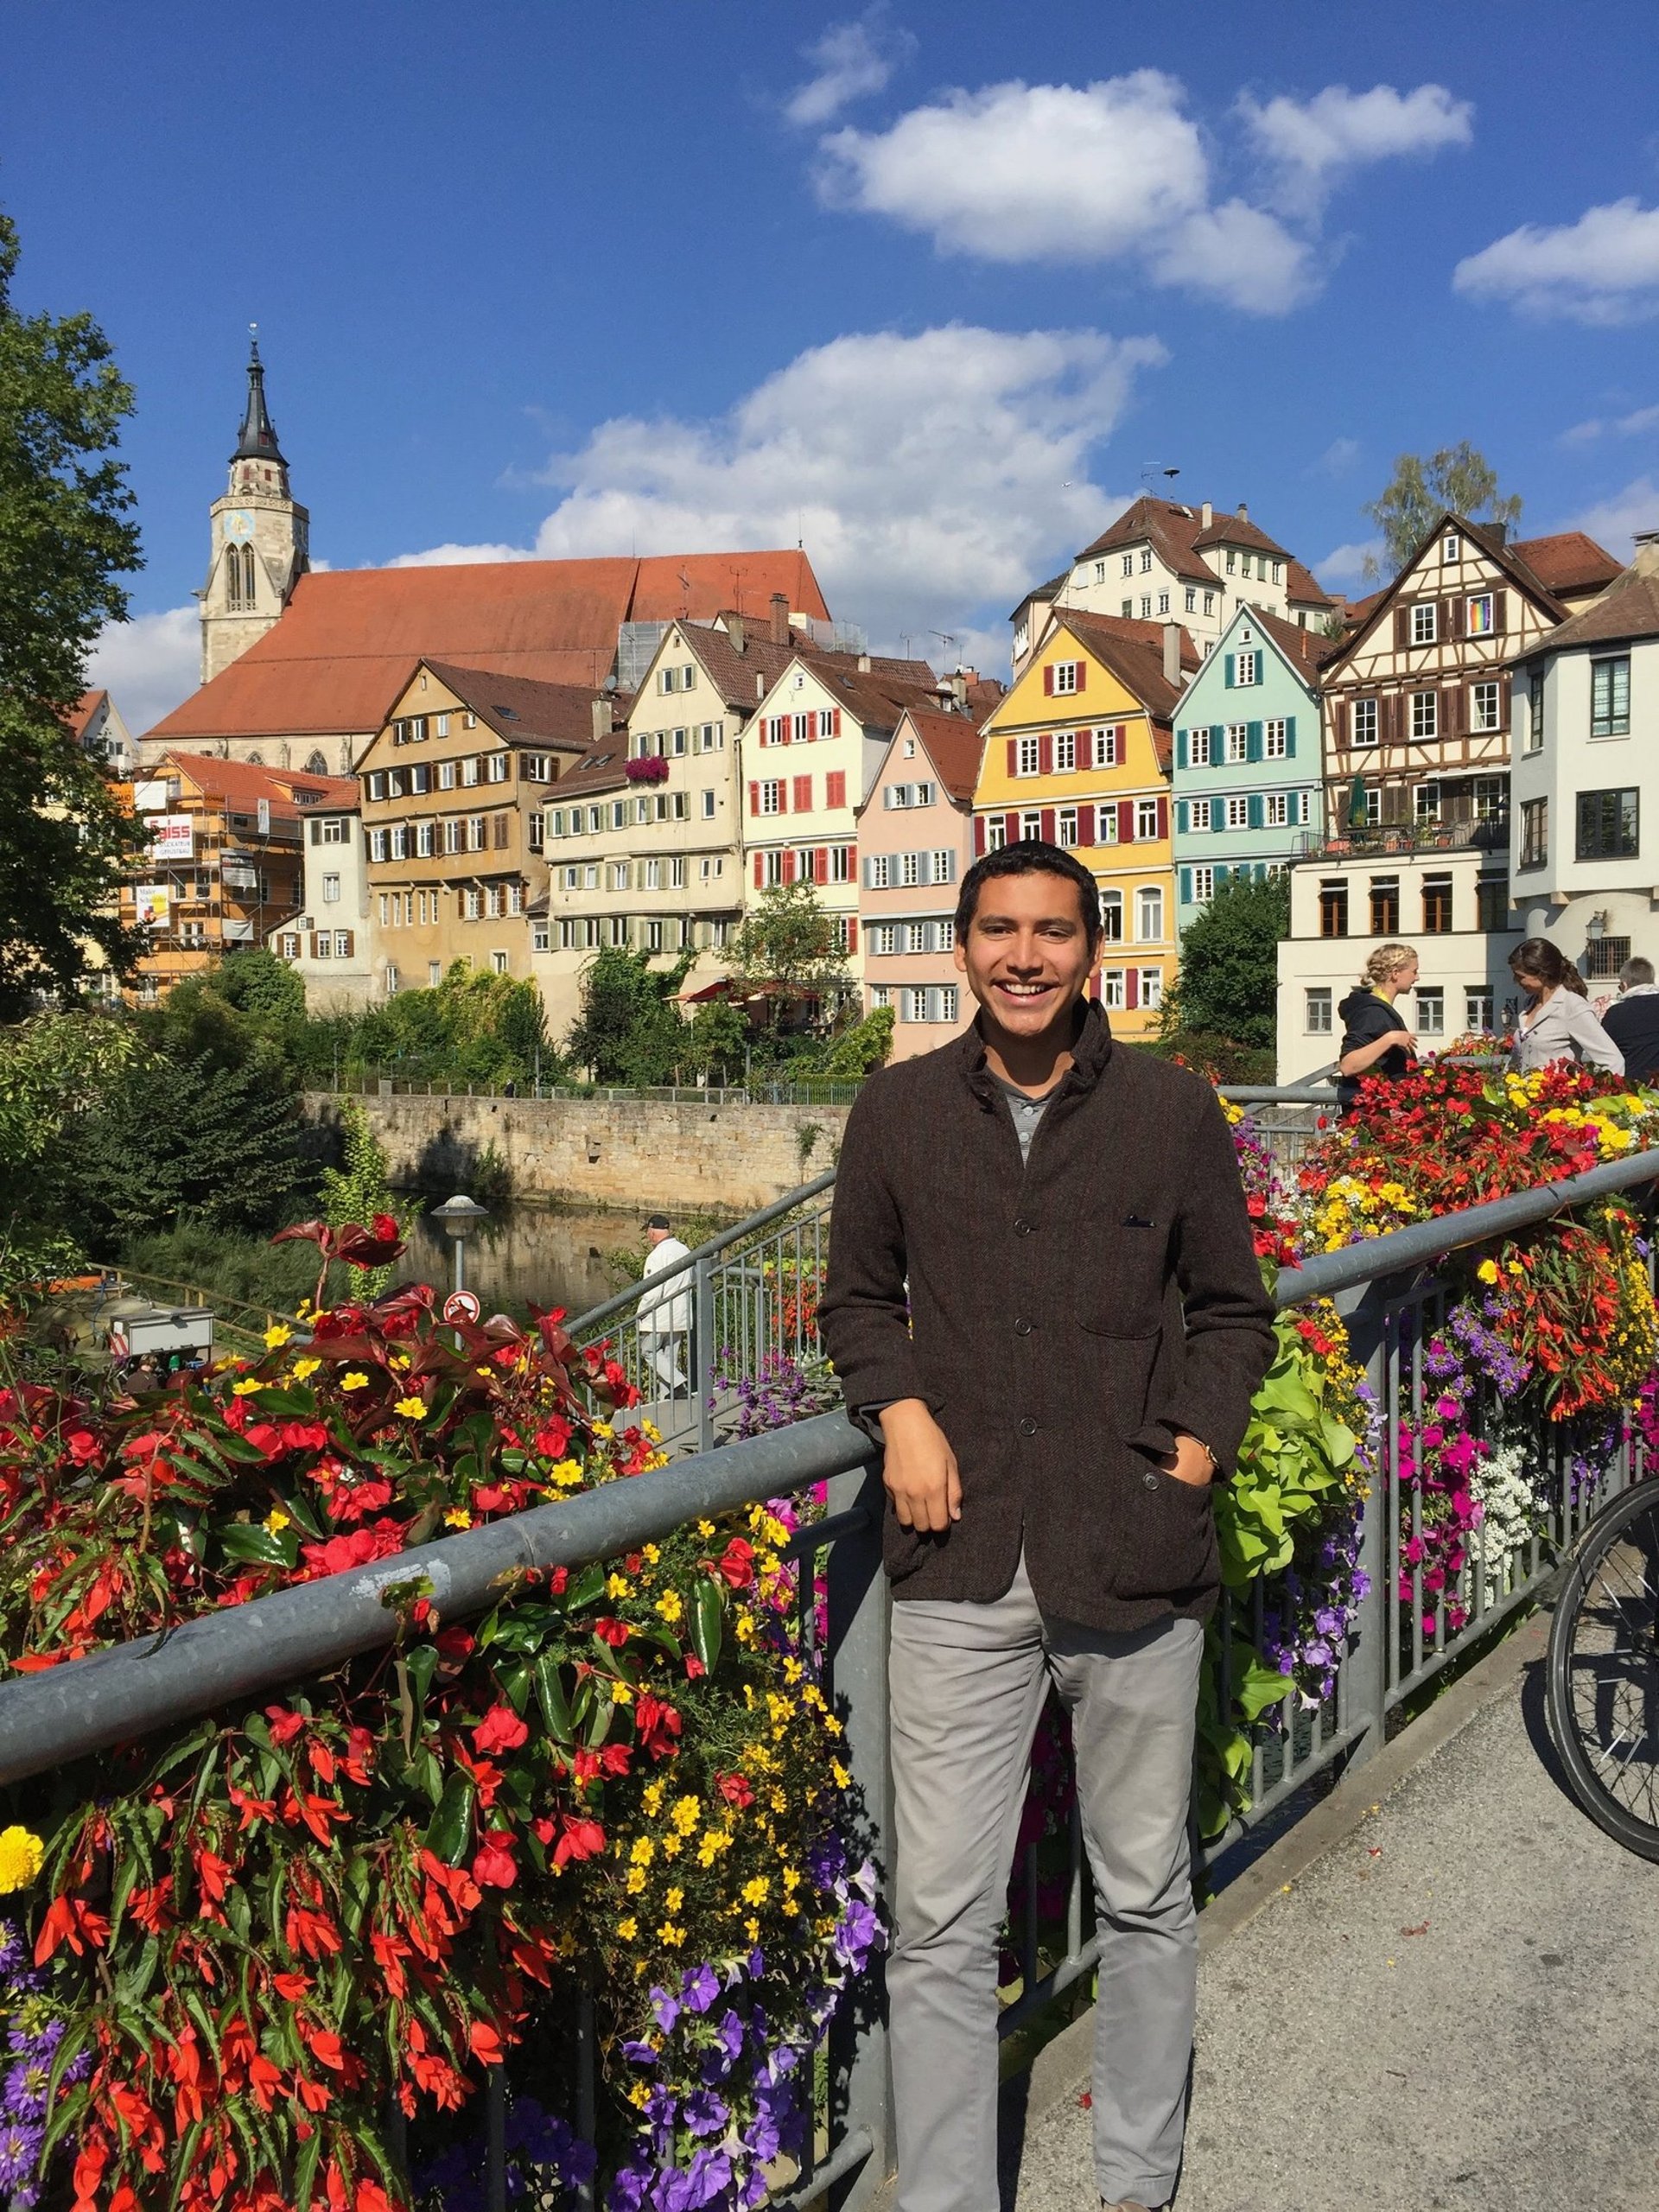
<point>1375,1039</point>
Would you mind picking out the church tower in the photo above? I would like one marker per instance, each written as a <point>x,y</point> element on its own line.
<point>261,538</point>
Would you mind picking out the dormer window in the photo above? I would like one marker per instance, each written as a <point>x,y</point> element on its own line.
<point>1452,547</point>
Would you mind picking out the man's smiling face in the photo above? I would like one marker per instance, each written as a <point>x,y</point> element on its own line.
<point>1027,954</point>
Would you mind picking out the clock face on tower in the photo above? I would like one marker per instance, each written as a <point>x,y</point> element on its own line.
<point>238,524</point>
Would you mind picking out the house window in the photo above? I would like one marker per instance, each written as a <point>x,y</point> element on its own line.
<point>1477,1010</point>
<point>1112,996</point>
<point>706,799</point>
<point>1431,1011</point>
<point>471,904</point>
<point>1425,622</point>
<point>1333,906</point>
<point>1111,917</point>
<point>944,866</point>
<point>996,834</point>
<point>1065,756</point>
<point>1204,886</point>
<point>1031,825</point>
<point>446,775</point>
<point>1128,564</point>
<point>1146,559</point>
<point>1099,572</point>
<point>1163,602</point>
<point>1534,832</point>
<point>469,770</point>
<point>772,798</point>
<point>1209,603</point>
<point>377,844</point>
<point>881,996</point>
<point>879,868</point>
<point>1065,826</point>
<point>1149,914</point>
<point>1608,825</point>
<point>1146,817</point>
<point>910,865</point>
<point>619,929</point>
<point>537,768</point>
<point>1385,905</point>
<point>1451,547</point>
<point>1491,798</point>
<point>1106,825</point>
<point>1535,709</point>
<point>1232,562</point>
<point>1317,1012</point>
<point>1492,902</point>
<point>1066,675</point>
<point>498,963</point>
<point>1145,607</point>
<point>1238,742</point>
<point>1275,809</point>
<point>1197,749</point>
<point>841,858</point>
<point>1247,669</point>
<point>1610,697</point>
<point>1479,622</point>
<point>944,936</point>
<point>377,786</point>
<point>1605,956</point>
<point>1426,802</point>
<point>1238,814</point>
<point>1437,905</point>
<point>1425,714</point>
<point>1276,741</point>
<point>654,935</point>
<point>1191,598</point>
<point>1126,608</point>
<point>1152,988</point>
<point>1108,751</point>
<point>337,831</point>
<point>1028,754</point>
<point>1364,719</point>
<point>1483,706</point>
<point>540,937</point>
<point>330,890</point>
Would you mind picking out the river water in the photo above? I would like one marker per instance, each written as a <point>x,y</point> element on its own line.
<point>527,1253</point>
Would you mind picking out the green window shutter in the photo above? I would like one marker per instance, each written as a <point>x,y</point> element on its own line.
<point>1290,737</point>
<point>1217,743</point>
<point>1181,748</point>
<point>1187,886</point>
<point>1181,817</point>
<point>1227,670</point>
<point>1256,809</point>
<point>1221,874</point>
<point>1252,742</point>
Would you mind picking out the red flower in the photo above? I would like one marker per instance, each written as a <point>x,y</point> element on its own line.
<point>493,1864</point>
<point>736,1565</point>
<point>284,1724</point>
<point>582,1838</point>
<point>655,1724</point>
<point>734,1789</point>
<point>615,1633</point>
<point>501,1729</point>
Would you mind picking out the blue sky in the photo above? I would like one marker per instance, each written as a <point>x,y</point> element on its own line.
<point>934,287</point>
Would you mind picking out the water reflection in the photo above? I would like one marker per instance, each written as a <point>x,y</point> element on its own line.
<point>553,1255</point>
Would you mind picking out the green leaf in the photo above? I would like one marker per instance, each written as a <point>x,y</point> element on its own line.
<point>708,1619</point>
<point>587,1590</point>
<point>549,1691</point>
<point>451,1828</point>
<point>305,2169</point>
<point>247,1540</point>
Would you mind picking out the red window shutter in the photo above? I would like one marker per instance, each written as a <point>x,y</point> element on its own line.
<point>1011,828</point>
<point>803,794</point>
<point>979,835</point>
<point>1014,756</point>
<point>1126,822</point>
<point>821,864</point>
<point>1045,756</point>
<point>783,728</point>
<point>1131,986</point>
<point>760,870</point>
<point>852,932</point>
<point>834,791</point>
<point>782,797</point>
<point>789,867</point>
<point>1083,675</point>
<point>1086,836</point>
<point>1048,682</point>
<point>1402,629</point>
<point>754,799</point>
<point>1163,815</point>
<point>1046,819</point>
<point>835,721</point>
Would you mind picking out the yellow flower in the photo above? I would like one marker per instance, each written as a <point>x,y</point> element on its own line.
<point>843,1780</point>
<point>640,2094</point>
<point>304,1369</point>
<point>636,1881</point>
<point>644,1850</point>
<point>1487,1271</point>
<point>627,1928</point>
<point>20,1857</point>
<point>412,1409</point>
<point>457,1517</point>
<point>276,1521</point>
<point>602,1428</point>
<point>278,1334</point>
<point>246,1387</point>
<point>752,1929</point>
<point>672,1846</point>
<point>675,1899</point>
<point>705,1527</point>
<point>566,1476</point>
<point>616,1585</point>
<point>355,1381</point>
<point>651,1796</point>
<point>620,1693</point>
<point>398,1359</point>
<point>671,1934</point>
<point>670,1607</point>
<point>650,1554</point>
<point>685,1815</point>
<point>756,1891</point>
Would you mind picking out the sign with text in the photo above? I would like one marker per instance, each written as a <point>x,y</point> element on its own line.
<point>172,837</point>
<point>152,904</point>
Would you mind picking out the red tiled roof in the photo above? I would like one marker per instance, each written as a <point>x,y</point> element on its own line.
<point>1308,648</point>
<point>80,715</point>
<point>1303,588</point>
<point>337,658</point>
<point>1570,562</point>
<point>524,712</point>
<point>1134,653</point>
<point>606,772</point>
<point>953,744</point>
<point>240,784</point>
<point>1630,609</point>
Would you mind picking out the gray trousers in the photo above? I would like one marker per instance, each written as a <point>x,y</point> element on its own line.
<point>967,1685</point>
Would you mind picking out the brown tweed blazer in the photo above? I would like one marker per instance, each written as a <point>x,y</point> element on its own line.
<point>1061,1317</point>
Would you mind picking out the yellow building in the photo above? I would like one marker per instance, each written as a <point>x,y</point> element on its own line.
<point>1079,753</point>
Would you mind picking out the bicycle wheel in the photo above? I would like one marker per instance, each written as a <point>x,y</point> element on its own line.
<point>1602,1680</point>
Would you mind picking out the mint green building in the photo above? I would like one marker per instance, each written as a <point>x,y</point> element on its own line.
<point>1249,779</point>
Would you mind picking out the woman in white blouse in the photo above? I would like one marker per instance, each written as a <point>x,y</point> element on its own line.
<point>1557,1023</point>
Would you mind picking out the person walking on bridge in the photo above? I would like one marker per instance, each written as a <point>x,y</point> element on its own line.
<point>1043,1297</point>
<point>665,1313</point>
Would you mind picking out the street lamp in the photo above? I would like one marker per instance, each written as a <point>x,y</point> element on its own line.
<point>1596,928</point>
<point>460,1216</point>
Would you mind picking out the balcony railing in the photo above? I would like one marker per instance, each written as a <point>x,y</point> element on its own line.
<point>1489,834</point>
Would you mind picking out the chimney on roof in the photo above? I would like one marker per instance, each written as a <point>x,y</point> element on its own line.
<point>1498,532</point>
<point>1645,561</point>
<point>863,663</point>
<point>735,632</point>
<point>1243,511</point>
<point>779,619</point>
<point>759,685</point>
<point>1208,514</point>
<point>960,682</point>
<point>1173,655</point>
<point>601,719</point>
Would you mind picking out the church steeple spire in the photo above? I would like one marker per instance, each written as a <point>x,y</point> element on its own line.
<point>258,440</point>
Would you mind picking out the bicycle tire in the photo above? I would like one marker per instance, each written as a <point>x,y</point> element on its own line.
<point>1604,1636</point>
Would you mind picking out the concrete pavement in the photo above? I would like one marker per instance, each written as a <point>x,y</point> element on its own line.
<point>1455,2009</point>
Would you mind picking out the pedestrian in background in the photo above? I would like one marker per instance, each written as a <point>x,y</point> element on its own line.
<point>1375,1039</point>
<point>1556,1023</point>
<point>1632,1021</point>
<point>665,1313</point>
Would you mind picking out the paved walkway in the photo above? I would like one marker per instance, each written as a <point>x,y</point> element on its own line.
<point>1457,2007</point>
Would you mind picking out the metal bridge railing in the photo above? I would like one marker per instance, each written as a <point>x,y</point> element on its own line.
<point>1392,1291</point>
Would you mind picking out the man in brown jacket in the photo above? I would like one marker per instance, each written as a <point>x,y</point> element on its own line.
<point>1044,1294</point>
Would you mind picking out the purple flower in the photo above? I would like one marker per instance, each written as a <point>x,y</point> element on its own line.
<point>704,2113</point>
<point>26,2087</point>
<point>699,1989</point>
<point>12,1948</point>
<point>628,2187</point>
<point>20,2153</point>
<point>855,1934</point>
<point>666,2008</point>
<point>642,2054</point>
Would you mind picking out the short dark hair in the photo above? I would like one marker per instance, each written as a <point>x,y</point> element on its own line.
<point>1029,857</point>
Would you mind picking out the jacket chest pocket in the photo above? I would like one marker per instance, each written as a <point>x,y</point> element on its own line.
<point>1123,1270</point>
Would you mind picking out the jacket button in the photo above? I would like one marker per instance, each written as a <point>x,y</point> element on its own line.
<point>1149,1481</point>
<point>1028,1427</point>
<point>1022,1328</point>
<point>1022,1228</point>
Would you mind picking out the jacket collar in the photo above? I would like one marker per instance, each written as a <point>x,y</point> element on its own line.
<point>1091,1052</point>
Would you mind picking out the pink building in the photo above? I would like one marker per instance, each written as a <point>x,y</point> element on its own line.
<point>915,840</point>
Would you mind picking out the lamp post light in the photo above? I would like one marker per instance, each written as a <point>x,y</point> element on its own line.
<point>460,1216</point>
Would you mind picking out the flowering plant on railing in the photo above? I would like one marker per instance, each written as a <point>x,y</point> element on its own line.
<point>266,1928</point>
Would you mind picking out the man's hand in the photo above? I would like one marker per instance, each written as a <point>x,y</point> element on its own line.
<point>1190,1462</point>
<point>920,1468</point>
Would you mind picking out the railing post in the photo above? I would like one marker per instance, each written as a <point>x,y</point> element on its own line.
<point>860,2080</point>
<point>702,1362</point>
<point>1364,1677</point>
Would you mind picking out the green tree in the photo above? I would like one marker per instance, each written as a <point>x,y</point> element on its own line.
<point>53,1069</point>
<point>860,1049</point>
<point>1423,487</point>
<point>256,982</point>
<point>628,1029</point>
<point>64,539</point>
<point>719,1039</point>
<point>787,941</point>
<point>1228,985</point>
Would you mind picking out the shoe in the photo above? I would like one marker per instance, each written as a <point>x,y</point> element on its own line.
<point>1128,2204</point>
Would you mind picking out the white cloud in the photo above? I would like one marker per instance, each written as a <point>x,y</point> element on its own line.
<point>1315,141</point>
<point>451,555</point>
<point>1237,254</point>
<point>1603,269</point>
<point>1619,426</point>
<point>150,664</point>
<point>1338,457</point>
<point>853,60</point>
<point>1350,563</point>
<point>932,478</point>
<point>1614,522</point>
